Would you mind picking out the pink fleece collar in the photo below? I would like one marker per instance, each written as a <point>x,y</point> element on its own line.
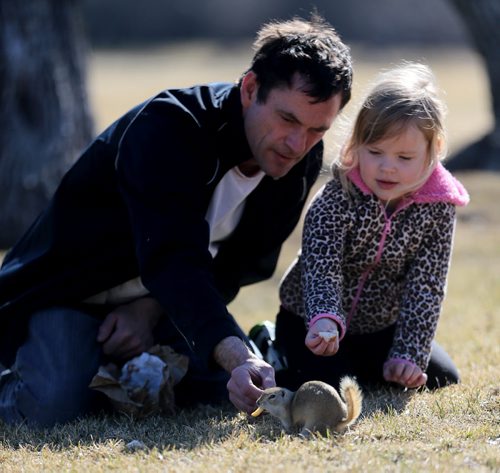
<point>440,187</point>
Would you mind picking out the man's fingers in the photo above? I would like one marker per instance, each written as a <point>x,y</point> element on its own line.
<point>268,381</point>
<point>109,347</point>
<point>243,396</point>
<point>106,328</point>
<point>117,351</point>
<point>118,344</point>
<point>241,404</point>
<point>247,383</point>
<point>124,346</point>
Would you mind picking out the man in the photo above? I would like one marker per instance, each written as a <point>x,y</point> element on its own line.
<point>153,231</point>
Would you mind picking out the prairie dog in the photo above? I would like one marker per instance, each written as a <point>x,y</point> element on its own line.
<point>315,406</point>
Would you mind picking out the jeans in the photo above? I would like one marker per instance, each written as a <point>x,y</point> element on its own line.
<point>48,381</point>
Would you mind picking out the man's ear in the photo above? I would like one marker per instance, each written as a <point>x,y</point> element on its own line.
<point>248,89</point>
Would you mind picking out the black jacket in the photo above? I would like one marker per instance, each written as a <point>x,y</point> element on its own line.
<point>135,203</point>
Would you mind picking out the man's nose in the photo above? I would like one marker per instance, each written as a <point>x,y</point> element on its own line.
<point>297,142</point>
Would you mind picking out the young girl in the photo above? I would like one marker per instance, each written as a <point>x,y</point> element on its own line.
<point>376,248</point>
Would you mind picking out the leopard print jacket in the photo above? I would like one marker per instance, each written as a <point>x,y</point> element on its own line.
<point>368,270</point>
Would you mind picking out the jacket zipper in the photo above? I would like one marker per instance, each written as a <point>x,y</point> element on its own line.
<point>366,273</point>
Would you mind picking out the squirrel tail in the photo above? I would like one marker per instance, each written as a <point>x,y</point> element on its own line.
<point>351,394</point>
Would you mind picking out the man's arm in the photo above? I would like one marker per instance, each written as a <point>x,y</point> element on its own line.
<point>249,374</point>
<point>128,331</point>
<point>166,201</point>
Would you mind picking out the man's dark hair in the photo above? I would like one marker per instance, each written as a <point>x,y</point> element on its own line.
<point>312,49</point>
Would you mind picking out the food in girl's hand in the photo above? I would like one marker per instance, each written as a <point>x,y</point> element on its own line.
<point>328,336</point>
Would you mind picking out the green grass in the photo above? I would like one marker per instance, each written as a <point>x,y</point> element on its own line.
<point>456,429</point>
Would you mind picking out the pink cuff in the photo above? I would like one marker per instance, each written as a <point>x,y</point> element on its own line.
<point>335,318</point>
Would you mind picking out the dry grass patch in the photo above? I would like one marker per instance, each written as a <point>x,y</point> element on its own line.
<point>451,430</point>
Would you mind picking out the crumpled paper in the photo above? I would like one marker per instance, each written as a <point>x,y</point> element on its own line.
<point>145,384</point>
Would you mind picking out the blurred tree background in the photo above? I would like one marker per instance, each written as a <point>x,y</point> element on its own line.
<point>44,111</point>
<point>109,22</point>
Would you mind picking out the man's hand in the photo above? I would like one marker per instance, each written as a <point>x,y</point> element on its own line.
<point>247,383</point>
<point>404,373</point>
<point>315,340</point>
<point>249,374</point>
<point>127,331</point>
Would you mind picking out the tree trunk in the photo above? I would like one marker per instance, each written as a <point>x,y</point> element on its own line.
<point>482,18</point>
<point>44,117</point>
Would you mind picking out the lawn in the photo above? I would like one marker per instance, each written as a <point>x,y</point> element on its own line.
<point>456,429</point>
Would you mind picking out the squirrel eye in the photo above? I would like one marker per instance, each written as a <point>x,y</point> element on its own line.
<point>272,396</point>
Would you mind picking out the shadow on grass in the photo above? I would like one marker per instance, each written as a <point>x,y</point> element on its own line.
<point>386,400</point>
<point>187,430</point>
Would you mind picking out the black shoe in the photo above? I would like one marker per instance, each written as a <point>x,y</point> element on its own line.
<point>263,336</point>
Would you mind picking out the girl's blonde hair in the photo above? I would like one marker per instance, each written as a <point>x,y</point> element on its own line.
<point>404,96</point>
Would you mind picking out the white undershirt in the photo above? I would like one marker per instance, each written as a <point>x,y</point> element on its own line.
<point>223,215</point>
<point>227,204</point>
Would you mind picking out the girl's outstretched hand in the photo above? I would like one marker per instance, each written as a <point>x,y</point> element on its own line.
<point>323,337</point>
<point>405,373</point>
